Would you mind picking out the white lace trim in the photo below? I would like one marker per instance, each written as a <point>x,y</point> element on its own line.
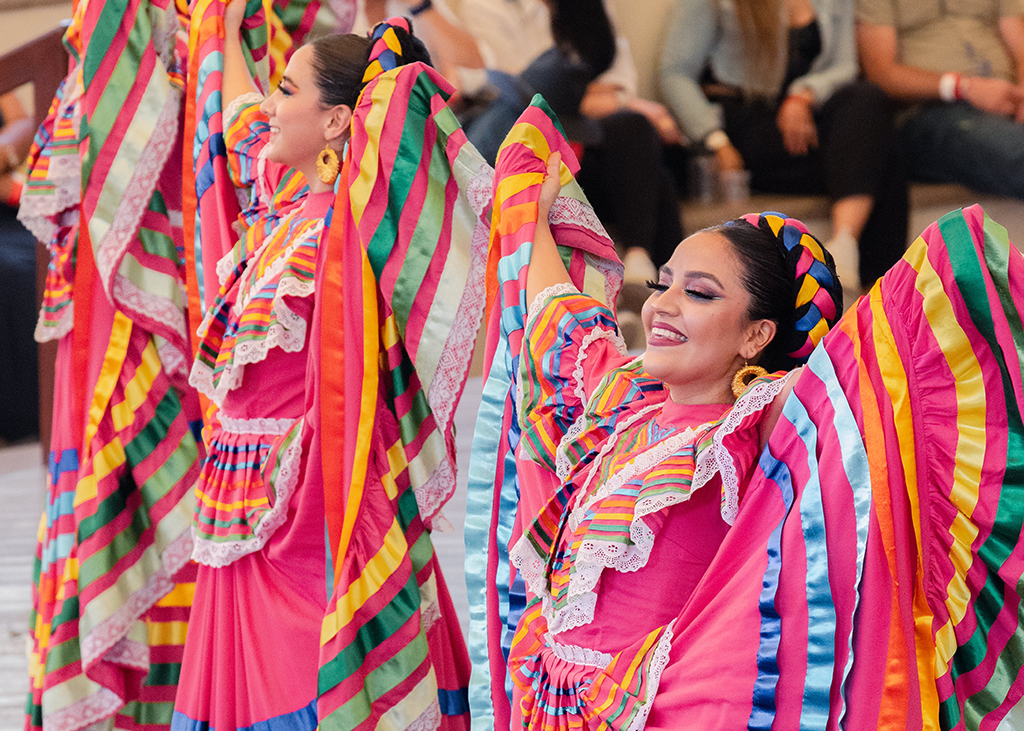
<point>716,458</point>
<point>250,97</point>
<point>174,362</point>
<point>130,654</point>
<point>287,332</point>
<point>83,713</point>
<point>479,190</point>
<point>595,334</point>
<point>45,332</point>
<point>559,288</point>
<point>225,265</point>
<point>165,27</point>
<point>612,271</point>
<point>158,309</point>
<point>429,720</point>
<point>64,171</point>
<point>109,631</point>
<point>579,655</point>
<point>450,375</point>
<point>135,198</point>
<point>563,464</point>
<point>593,557</point>
<point>210,553</point>
<point>430,614</point>
<point>276,268</point>
<point>658,664</point>
<point>566,209</point>
<point>275,427</point>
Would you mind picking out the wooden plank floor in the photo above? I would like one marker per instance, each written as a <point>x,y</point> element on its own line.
<point>22,488</point>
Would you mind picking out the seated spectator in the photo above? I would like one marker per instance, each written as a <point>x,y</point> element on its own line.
<point>957,65</point>
<point>780,97</point>
<point>19,371</point>
<point>568,52</point>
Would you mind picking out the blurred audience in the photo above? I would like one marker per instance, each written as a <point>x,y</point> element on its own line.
<point>771,86</point>
<point>568,51</point>
<point>19,371</point>
<point>958,66</point>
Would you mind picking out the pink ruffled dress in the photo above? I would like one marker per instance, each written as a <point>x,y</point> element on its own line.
<point>649,491</point>
<point>252,651</point>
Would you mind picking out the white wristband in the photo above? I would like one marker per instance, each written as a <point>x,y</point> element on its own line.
<point>716,140</point>
<point>948,84</point>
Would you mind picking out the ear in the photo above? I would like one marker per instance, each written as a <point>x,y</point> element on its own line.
<point>759,334</point>
<point>339,118</point>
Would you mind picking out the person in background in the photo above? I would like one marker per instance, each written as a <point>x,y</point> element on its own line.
<point>19,371</point>
<point>781,99</point>
<point>570,53</point>
<point>957,68</point>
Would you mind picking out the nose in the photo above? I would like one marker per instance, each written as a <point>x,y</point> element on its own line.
<point>268,105</point>
<point>666,302</point>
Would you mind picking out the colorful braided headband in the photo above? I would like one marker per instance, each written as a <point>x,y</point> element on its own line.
<point>815,282</point>
<point>386,52</point>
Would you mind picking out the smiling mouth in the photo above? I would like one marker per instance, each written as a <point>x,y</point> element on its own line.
<point>665,334</point>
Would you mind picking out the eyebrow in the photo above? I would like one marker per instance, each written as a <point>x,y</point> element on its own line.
<point>665,269</point>
<point>287,80</point>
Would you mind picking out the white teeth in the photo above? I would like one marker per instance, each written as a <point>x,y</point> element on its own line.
<point>660,332</point>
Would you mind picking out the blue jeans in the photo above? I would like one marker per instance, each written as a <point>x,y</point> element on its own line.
<point>488,131</point>
<point>956,143</point>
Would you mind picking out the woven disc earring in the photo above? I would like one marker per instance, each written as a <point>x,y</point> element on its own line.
<point>327,166</point>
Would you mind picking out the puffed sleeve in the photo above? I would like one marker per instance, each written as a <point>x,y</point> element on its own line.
<point>571,344</point>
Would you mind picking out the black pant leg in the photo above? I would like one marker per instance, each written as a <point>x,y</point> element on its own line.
<point>862,156</point>
<point>632,191</point>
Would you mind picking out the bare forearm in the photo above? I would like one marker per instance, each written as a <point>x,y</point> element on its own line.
<point>237,79</point>
<point>878,56</point>
<point>546,267</point>
<point>454,45</point>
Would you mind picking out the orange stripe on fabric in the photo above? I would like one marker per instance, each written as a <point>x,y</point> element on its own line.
<point>896,693</point>
<point>894,377</point>
<point>85,281</point>
<point>367,407</point>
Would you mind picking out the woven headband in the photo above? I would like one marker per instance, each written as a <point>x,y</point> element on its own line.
<point>386,53</point>
<point>817,303</point>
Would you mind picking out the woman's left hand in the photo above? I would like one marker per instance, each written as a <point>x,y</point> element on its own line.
<point>796,123</point>
<point>551,187</point>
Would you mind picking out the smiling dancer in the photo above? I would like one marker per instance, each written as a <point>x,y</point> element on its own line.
<point>334,355</point>
<point>835,543</point>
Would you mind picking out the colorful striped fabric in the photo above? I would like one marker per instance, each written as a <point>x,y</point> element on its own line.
<point>115,541</point>
<point>872,576</point>
<point>112,579</point>
<point>53,192</point>
<point>299,16</point>
<point>131,106</point>
<point>497,596</point>
<point>399,301</point>
<point>210,201</point>
<point>930,371</point>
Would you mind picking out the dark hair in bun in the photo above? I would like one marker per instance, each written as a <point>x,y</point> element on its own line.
<point>791,279</point>
<point>340,61</point>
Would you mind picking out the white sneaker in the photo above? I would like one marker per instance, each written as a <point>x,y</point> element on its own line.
<point>638,267</point>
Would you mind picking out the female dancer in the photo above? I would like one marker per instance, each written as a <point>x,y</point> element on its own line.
<point>841,544</point>
<point>318,598</point>
<point>786,105</point>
